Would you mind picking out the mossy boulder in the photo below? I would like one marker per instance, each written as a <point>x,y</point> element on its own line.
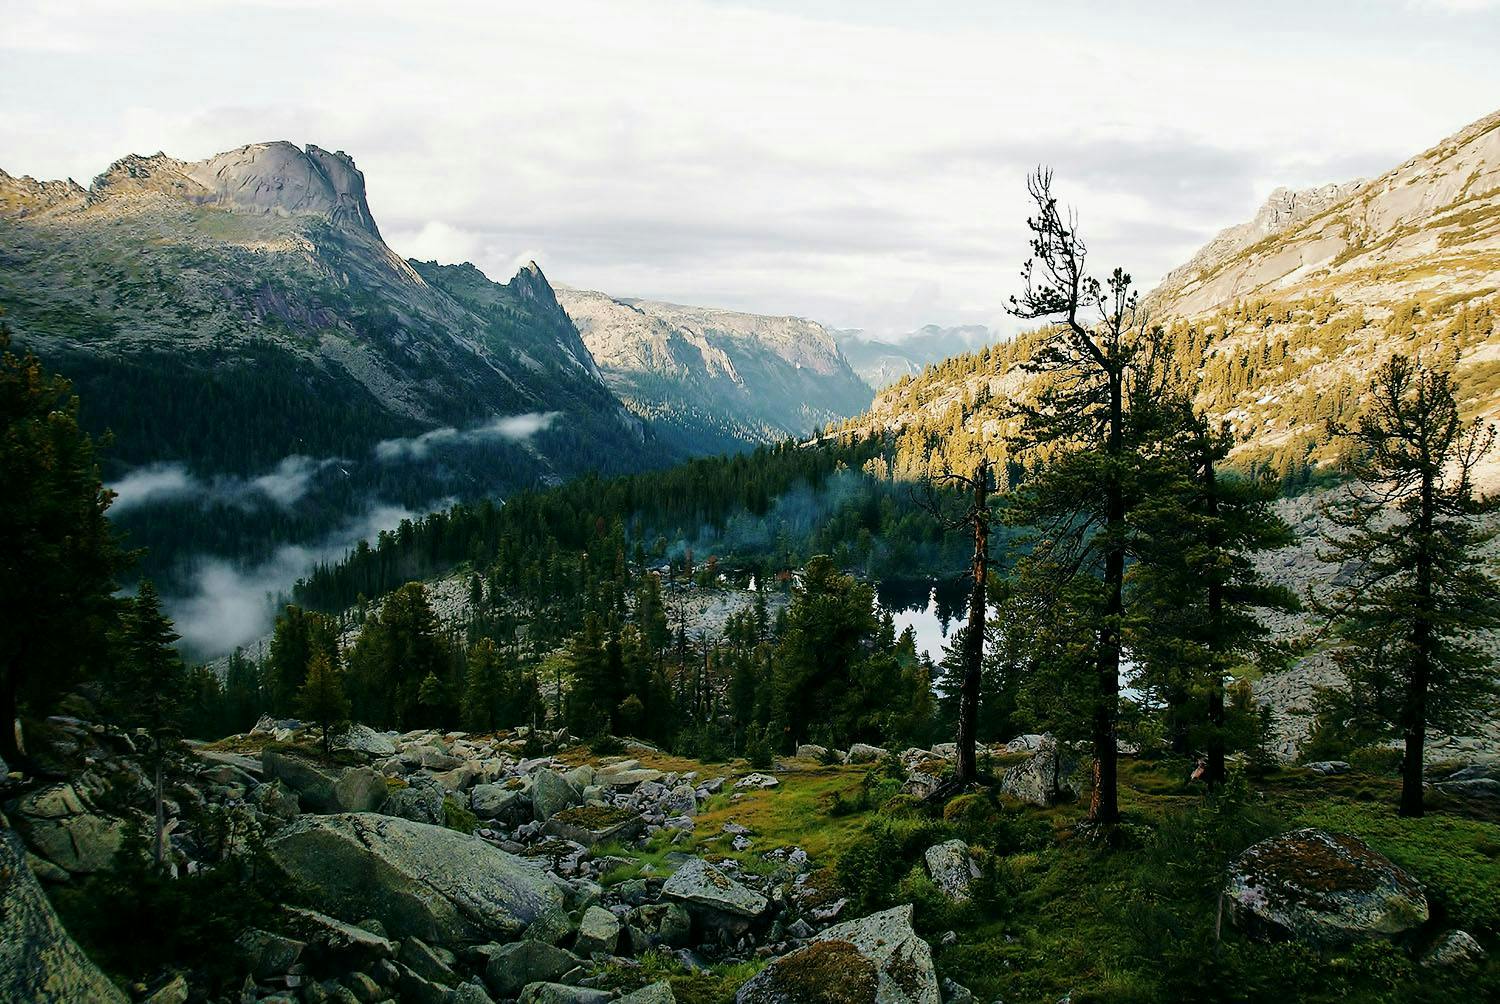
<point>593,824</point>
<point>1325,889</point>
<point>418,880</point>
<point>874,960</point>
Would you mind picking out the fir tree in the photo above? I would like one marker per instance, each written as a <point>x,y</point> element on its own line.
<point>149,689</point>
<point>321,699</point>
<point>57,578</point>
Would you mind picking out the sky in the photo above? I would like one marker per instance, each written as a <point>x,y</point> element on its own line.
<point>861,163</point>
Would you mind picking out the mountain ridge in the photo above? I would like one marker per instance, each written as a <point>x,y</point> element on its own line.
<point>716,377</point>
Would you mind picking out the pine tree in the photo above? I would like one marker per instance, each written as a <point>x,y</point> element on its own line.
<point>57,578</point>
<point>483,687</point>
<point>1096,414</point>
<point>1195,590</point>
<point>321,699</point>
<point>1407,620</point>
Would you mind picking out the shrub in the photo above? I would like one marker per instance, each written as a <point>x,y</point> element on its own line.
<point>1382,760</point>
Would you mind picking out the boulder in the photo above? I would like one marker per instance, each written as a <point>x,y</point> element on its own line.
<point>656,993</point>
<point>472,992</point>
<point>559,993</point>
<point>420,800</point>
<point>551,793</point>
<point>1456,948</point>
<point>493,801</point>
<point>1044,777</point>
<point>756,782</point>
<point>39,962</point>
<point>418,880</point>
<point>593,824</point>
<point>332,941</point>
<point>813,751</point>
<point>874,960</point>
<point>598,931</point>
<point>359,789</point>
<point>365,740</point>
<point>698,883</point>
<point>508,969</point>
<point>322,788</point>
<point>627,779</point>
<point>1327,889</point>
<point>80,844</point>
<point>1329,767</point>
<point>267,954</point>
<point>952,869</point>
<point>864,753</point>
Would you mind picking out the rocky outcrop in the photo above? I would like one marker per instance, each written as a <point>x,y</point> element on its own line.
<point>419,880</point>
<point>39,962</point>
<point>1045,777</point>
<point>1327,889</point>
<point>874,960</point>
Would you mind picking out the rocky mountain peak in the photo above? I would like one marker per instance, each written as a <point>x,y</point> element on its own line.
<point>280,179</point>
<point>1283,209</point>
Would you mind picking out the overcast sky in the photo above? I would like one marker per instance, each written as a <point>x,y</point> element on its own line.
<point>860,163</point>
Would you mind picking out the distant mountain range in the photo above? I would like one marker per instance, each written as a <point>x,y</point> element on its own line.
<point>881,363</point>
<point>710,379</point>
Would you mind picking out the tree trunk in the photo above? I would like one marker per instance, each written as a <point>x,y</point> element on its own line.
<point>968,703</point>
<point>10,750</point>
<point>1105,806</point>
<point>1214,772</point>
<point>161,812</point>
<point>1415,710</point>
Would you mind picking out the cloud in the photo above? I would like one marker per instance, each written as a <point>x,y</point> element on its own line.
<point>512,428</point>
<point>284,485</point>
<point>153,483</point>
<point>821,160</point>
<point>228,606</point>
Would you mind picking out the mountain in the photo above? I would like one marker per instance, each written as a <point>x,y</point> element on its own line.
<point>269,367</point>
<point>1284,317</point>
<point>712,380</point>
<point>881,363</point>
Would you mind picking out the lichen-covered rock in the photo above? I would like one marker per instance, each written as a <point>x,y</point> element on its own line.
<point>864,753</point>
<point>1327,889</point>
<point>1044,777</point>
<point>593,824</point>
<point>39,962</point>
<point>420,800</point>
<point>322,788</point>
<point>698,883</point>
<point>363,739</point>
<point>656,993</point>
<point>558,993</point>
<point>494,801</point>
<point>551,793</point>
<point>1456,948</point>
<point>598,931</point>
<point>332,941</point>
<point>508,969</point>
<point>952,869</point>
<point>418,880</point>
<point>80,844</point>
<point>874,960</point>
